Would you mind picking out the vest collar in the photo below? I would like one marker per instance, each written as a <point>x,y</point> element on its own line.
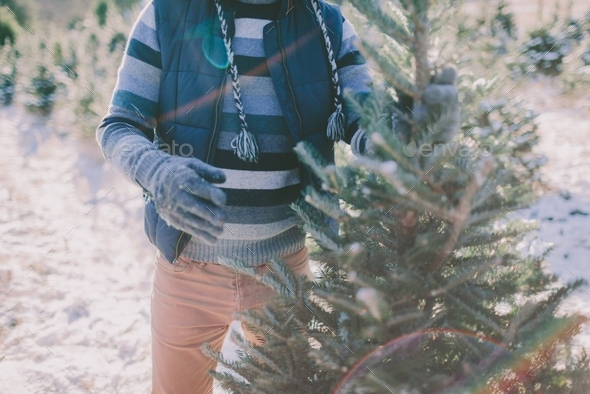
<point>285,9</point>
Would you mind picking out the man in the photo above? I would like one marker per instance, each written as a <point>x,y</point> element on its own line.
<point>212,97</point>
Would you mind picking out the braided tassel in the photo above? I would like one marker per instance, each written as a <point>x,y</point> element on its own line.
<point>336,121</point>
<point>244,144</point>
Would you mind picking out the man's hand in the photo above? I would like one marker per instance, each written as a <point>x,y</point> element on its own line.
<point>440,106</point>
<point>182,190</point>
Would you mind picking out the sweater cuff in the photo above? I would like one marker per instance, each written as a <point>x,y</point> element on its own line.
<point>358,144</point>
<point>131,153</point>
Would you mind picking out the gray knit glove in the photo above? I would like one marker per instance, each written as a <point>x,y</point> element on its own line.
<point>182,190</point>
<point>440,106</point>
<point>439,110</point>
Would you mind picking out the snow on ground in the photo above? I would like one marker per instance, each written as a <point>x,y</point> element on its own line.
<point>76,268</point>
<point>564,211</point>
<point>528,14</point>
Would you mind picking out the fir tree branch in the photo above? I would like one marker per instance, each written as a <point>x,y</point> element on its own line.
<point>309,156</point>
<point>418,10</point>
<point>385,23</point>
<point>344,303</point>
<point>546,308</point>
<point>322,238</point>
<point>257,353</point>
<point>461,213</point>
<point>416,202</point>
<point>468,239</point>
<point>396,155</point>
<point>229,381</point>
<point>477,314</point>
<point>324,203</point>
<point>405,318</point>
<point>464,276</point>
<point>393,74</point>
<point>272,328</point>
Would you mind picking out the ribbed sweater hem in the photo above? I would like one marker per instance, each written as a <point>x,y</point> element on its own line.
<point>250,252</point>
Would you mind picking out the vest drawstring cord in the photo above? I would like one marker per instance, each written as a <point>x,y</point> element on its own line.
<point>244,144</point>
<point>336,121</point>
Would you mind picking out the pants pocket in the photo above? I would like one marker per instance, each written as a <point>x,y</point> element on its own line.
<point>179,266</point>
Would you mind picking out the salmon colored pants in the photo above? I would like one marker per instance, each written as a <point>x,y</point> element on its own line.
<point>193,303</point>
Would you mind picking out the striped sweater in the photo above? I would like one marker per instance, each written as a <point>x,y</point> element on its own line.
<point>260,224</point>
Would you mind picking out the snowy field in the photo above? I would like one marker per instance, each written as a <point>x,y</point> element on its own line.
<point>564,211</point>
<point>75,266</point>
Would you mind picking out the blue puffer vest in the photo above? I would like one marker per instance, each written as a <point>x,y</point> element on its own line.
<point>194,66</point>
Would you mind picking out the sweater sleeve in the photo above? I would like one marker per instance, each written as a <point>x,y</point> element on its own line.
<point>354,77</point>
<point>127,131</point>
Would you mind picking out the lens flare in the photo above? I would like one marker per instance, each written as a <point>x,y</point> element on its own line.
<point>416,349</point>
<point>214,51</point>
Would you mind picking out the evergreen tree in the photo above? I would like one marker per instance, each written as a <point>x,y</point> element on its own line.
<point>8,28</point>
<point>20,12</point>
<point>7,76</point>
<point>424,290</point>
<point>100,12</point>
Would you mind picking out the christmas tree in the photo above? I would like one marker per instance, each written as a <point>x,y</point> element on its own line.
<point>425,289</point>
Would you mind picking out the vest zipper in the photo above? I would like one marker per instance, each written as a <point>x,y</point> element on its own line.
<point>212,141</point>
<point>176,254</point>
<point>219,95</point>
<point>288,78</point>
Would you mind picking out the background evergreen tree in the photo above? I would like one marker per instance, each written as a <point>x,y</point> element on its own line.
<point>8,28</point>
<point>17,9</point>
<point>8,75</point>
<point>100,12</point>
<point>425,289</point>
